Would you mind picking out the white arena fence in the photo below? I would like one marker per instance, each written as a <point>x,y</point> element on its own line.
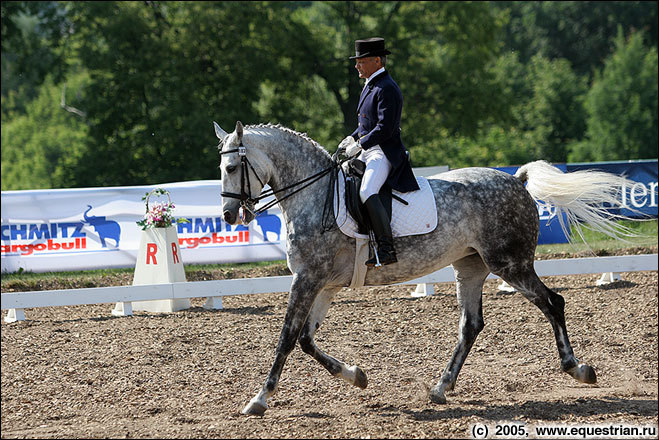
<point>16,302</point>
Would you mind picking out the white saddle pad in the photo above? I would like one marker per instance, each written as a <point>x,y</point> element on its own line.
<point>419,217</point>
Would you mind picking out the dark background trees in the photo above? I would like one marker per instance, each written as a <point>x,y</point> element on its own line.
<point>124,93</point>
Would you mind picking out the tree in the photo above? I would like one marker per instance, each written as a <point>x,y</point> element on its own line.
<point>546,114</point>
<point>32,33</point>
<point>160,74</point>
<point>440,56</point>
<point>484,83</point>
<point>555,114</point>
<point>580,32</point>
<point>43,148</point>
<point>622,105</point>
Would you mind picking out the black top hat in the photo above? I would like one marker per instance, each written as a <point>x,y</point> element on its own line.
<point>370,47</point>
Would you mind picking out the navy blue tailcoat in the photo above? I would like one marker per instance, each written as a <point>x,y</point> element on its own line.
<point>378,113</point>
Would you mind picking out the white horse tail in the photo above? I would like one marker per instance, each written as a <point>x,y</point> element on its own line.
<point>586,197</point>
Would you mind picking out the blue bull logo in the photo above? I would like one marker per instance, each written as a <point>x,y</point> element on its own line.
<point>103,227</point>
<point>269,223</point>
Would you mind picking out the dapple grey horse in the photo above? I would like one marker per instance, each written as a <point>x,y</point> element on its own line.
<point>487,222</point>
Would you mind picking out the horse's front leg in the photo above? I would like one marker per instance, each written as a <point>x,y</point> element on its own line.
<point>302,295</point>
<point>350,373</point>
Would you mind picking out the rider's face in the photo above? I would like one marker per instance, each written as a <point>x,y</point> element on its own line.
<point>367,66</point>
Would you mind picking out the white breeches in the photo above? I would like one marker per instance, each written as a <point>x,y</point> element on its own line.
<point>377,171</point>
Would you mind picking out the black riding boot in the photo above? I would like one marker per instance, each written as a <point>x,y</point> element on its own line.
<point>381,225</point>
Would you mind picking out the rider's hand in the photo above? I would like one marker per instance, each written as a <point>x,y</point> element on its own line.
<point>350,146</point>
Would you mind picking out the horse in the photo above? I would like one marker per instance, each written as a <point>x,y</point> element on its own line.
<point>487,222</point>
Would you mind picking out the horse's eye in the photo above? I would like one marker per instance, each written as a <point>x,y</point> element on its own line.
<point>231,169</point>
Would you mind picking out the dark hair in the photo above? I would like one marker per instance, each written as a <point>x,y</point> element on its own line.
<point>383,60</point>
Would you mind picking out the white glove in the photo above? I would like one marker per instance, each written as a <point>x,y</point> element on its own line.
<point>350,146</point>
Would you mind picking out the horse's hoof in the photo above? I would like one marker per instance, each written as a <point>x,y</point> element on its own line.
<point>354,376</point>
<point>584,373</point>
<point>361,380</point>
<point>437,396</point>
<point>254,408</point>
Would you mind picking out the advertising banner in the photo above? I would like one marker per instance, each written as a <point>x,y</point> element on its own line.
<point>641,198</point>
<point>95,228</point>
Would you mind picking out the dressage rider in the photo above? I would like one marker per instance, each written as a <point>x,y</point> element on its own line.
<point>377,140</point>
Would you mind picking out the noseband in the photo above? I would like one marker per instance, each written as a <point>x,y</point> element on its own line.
<point>246,201</point>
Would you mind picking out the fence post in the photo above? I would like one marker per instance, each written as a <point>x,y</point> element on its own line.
<point>14,315</point>
<point>425,289</point>
<point>158,262</point>
<point>608,278</point>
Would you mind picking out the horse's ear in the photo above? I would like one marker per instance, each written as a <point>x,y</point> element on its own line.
<point>221,134</point>
<point>239,129</point>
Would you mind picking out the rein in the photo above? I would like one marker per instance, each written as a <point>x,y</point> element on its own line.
<point>244,196</point>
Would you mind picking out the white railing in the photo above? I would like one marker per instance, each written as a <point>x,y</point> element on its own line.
<point>16,302</point>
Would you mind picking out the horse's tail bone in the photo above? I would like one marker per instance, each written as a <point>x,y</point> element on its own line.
<point>521,173</point>
<point>586,197</point>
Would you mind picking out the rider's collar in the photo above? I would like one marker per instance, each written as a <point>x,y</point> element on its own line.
<point>374,75</point>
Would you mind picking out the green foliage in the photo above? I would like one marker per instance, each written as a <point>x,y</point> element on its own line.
<point>31,49</point>
<point>484,83</point>
<point>441,58</point>
<point>437,74</point>
<point>622,106</point>
<point>545,115</point>
<point>325,122</point>
<point>554,115</point>
<point>42,148</point>
<point>580,32</point>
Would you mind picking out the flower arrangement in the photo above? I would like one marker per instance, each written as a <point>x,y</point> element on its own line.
<point>159,214</point>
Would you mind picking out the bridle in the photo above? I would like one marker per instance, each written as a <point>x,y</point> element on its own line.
<point>246,201</point>
<point>244,196</point>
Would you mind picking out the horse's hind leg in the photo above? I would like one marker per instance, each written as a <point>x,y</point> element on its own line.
<point>470,273</point>
<point>351,374</point>
<point>552,306</point>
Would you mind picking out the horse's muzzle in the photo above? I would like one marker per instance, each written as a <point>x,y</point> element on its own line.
<point>229,217</point>
<point>234,215</point>
<point>230,211</point>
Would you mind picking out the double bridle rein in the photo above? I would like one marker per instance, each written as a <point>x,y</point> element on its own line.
<point>247,202</point>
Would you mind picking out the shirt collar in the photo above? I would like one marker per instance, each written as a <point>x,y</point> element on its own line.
<point>376,73</point>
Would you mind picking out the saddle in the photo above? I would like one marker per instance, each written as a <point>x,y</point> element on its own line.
<point>354,205</point>
<point>414,215</point>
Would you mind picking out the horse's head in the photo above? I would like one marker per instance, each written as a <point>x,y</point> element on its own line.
<point>244,174</point>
